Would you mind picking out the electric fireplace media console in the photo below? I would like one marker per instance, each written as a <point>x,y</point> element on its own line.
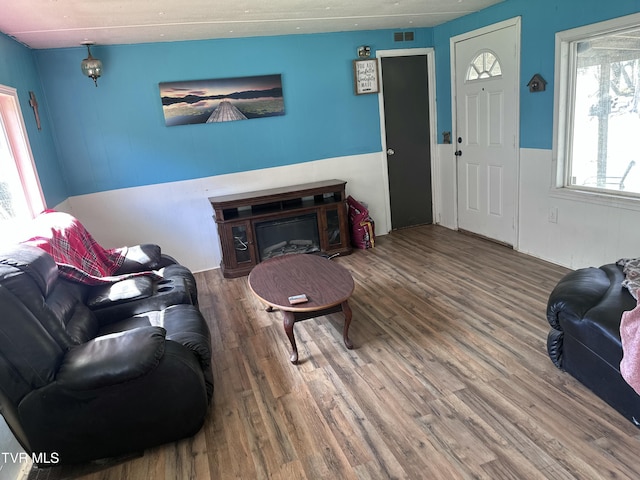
<point>255,226</point>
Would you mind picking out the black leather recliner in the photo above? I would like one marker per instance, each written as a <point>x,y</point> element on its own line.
<point>84,386</point>
<point>584,311</point>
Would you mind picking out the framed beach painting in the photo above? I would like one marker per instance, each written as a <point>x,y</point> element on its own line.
<point>221,100</point>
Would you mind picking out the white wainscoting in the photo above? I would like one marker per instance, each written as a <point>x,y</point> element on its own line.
<point>178,216</point>
<point>446,205</point>
<point>586,233</point>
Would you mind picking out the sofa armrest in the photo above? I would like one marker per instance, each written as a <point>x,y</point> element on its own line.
<point>555,342</point>
<point>128,290</point>
<point>576,293</point>
<point>141,258</point>
<point>112,359</point>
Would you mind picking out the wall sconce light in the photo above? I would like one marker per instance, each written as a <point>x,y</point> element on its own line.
<point>364,51</point>
<point>91,67</point>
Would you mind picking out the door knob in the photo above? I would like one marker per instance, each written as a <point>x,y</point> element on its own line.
<point>390,151</point>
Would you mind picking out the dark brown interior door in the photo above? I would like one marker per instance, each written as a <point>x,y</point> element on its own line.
<point>406,111</point>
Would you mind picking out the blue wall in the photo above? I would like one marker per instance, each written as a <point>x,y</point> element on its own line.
<point>114,136</point>
<point>18,70</point>
<point>540,22</point>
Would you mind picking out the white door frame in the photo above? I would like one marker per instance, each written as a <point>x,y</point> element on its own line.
<point>515,21</point>
<point>431,78</point>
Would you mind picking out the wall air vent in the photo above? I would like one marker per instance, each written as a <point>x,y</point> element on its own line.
<point>403,36</point>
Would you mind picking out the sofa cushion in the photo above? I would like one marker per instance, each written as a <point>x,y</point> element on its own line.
<point>41,269</point>
<point>31,275</point>
<point>140,258</point>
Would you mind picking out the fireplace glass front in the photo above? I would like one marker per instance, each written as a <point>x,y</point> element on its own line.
<point>297,234</point>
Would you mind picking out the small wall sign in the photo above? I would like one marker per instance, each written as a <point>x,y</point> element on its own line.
<point>366,76</point>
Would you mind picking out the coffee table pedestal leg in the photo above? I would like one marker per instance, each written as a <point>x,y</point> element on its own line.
<point>289,322</point>
<point>346,309</point>
<point>290,318</point>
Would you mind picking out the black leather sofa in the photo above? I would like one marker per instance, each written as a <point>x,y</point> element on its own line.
<point>584,311</point>
<point>78,384</point>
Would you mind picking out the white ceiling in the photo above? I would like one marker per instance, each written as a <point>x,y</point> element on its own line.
<point>67,23</point>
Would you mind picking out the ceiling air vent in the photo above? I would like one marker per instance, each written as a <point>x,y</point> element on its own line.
<point>408,36</point>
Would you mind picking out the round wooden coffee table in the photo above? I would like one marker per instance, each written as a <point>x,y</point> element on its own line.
<point>326,284</point>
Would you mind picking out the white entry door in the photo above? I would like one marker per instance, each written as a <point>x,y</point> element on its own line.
<point>486,132</point>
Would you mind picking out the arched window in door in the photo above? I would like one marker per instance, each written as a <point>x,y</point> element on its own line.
<point>484,65</point>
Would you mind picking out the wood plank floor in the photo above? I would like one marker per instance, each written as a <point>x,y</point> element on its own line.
<point>449,379</point>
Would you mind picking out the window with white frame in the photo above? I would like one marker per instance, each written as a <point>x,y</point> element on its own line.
<point>598,115</point>
<point>20,193</point>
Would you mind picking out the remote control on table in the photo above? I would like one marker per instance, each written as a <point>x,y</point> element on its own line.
<point>295,299</point>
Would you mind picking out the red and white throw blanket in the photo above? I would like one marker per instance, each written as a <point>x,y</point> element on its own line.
<point>79,257</point>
